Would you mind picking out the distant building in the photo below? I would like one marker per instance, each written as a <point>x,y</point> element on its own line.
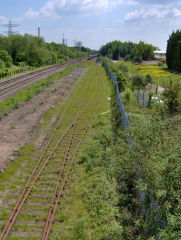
<point>160,54</point>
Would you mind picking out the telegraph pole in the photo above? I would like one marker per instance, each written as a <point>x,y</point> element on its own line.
<point>63,40</point>
<point>10,27</point>
<point>39,32</point>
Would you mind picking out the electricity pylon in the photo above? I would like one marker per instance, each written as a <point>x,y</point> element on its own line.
<point>10,27</point>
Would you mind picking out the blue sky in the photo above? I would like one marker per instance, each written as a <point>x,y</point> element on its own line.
<point>95,22</point>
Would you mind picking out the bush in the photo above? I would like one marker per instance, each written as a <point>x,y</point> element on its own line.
<point>138,81</point>
<point>6,58</point>
<point>162,62</point>
<point>128,95</point>
<point>2,63</point>
<point>171,95</point>
<point>127,58</point>
<point>122,81</point>
<point>138,59</point>
<point>148,79</point>
<point>123,68</point>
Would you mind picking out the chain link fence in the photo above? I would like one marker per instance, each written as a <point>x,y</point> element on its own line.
<point>144,95</point>
<point>144,100</point>
<point>125,120</point>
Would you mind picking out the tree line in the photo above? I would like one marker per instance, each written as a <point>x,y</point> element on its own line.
<point>34,51</point>
<point>128,50</point>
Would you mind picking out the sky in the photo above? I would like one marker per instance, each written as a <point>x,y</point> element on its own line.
<point>95,22</point>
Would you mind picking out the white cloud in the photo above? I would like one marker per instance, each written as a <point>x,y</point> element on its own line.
<point>154,13</point>
<point>156,2</point>
<point>3,20</point>
<point>58,8</point>
<point>32,14</point>
<point>177,12</point>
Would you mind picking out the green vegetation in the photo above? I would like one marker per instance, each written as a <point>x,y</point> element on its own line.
<point>103,201</point>
<point>18,176</point>
<point>160,74</point>
<point>171,95</point>
<point>34,51</point>
<point>151,165</point>
<point>128,50</point>
<point>23,152</point>
<point>173,54</point>
<point>90,210</point>
<point>138,76</point>
<point>24,51</point>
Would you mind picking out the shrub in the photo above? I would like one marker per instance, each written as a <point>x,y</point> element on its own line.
<point>28,97</point>
<point>138,81</point>
<point>171,95</point>
<point>2,63</point>
<point>128,95</point>
<point>123,68</point>
<point>148,79</point>
<point>162,62</point>
<point>127,58</point>
<point>15,105</point>
<point>122,81</point>
<point>6,58</point>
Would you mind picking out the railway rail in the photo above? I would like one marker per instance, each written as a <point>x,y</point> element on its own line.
<point>60,151</point>
<point>10,85</point>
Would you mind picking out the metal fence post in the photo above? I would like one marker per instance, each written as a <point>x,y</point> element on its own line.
<point>143,99</point>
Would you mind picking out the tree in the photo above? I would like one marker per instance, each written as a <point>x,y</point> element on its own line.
<point>78,44</point>
<point>173,54</point>
<point>6,58</point>
<point>128,50</point>
<point>34,51</point>
<point>148,79</point>
<point>122,81</point>
<point>171,95</point>
<point>115,54</point>
<point>138,81</point>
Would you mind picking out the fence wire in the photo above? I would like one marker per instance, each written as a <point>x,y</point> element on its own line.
<point>125,120</point>
<point>144,99</point>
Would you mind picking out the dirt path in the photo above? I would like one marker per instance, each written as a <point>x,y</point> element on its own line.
<point>18,126</point>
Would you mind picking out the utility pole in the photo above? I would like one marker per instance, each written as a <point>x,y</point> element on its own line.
<point>63,40</point>
<point>10,27</point>
<point>38,31</point>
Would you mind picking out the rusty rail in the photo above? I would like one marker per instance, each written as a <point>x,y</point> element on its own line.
<point>57,194</point>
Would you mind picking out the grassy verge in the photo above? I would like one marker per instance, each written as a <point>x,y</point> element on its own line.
<point>160,74</point>
<point>151,166</point>
<point>90,208</point>
<point>13,180</point>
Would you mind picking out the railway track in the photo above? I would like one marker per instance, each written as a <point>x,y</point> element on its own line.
<point>41,196</point>
<point>10,85</point>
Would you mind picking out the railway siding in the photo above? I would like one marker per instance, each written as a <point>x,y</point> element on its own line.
<point>43,188</point>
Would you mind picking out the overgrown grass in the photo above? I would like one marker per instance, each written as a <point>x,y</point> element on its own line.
<point>90,209</point>
<point>24,152</point>
<point>26,163</point>
<point>28,150</point>
<point>154,158</point>
<point>160,74</point>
